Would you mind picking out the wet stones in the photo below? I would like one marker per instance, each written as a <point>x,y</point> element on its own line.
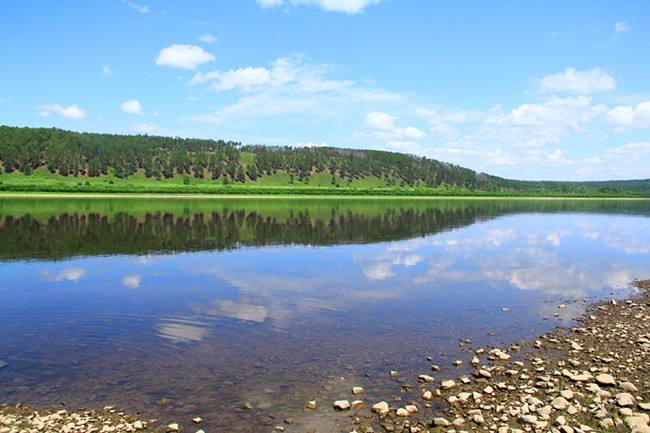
<point>426,378</point>
<point>357,390</point>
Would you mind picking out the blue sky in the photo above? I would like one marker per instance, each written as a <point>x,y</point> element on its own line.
<point>531,90</point>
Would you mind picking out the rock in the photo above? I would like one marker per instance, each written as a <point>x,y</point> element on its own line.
<point>478,419</point>
<point>505,309</point>
<point>411,408</point>
<point>637,424</point>
<point>402,412</point>
<point>197,420</point>
<point>380,408</point>
<point>138,425</point>
<point>605,379</point>
<point>567,393</point>
<point>247,406</point>
<point>607,423</point>
<point>173,427</point>
<point>425,378</point>
<point>441,422</point>
<point>624,399</point>
<point>3,364</point>
<point>560,403</point>
<point>311,404</point>
<point>484,373</point>
<point>342,405</point>
<point>357,390</point>
<point>628,387</point>
<point>357,404</point>
<point>644,406</point>
<point>458,363</point>
<point>427,395</point>
<point>447,384</point>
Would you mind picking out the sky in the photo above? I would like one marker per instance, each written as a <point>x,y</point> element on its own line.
<point>530,90</point>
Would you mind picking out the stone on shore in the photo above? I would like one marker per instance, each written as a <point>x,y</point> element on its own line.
<point>380,408</point>
<point>342,405</point>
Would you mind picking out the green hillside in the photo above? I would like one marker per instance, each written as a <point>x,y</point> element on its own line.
<point>49,159</point>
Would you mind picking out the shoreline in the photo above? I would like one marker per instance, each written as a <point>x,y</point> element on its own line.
<point>127,195</point>
<point>593,376</point>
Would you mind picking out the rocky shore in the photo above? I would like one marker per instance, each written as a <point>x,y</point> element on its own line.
<point>592,377</point>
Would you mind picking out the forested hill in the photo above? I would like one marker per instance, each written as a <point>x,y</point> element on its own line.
<point>51,154</point>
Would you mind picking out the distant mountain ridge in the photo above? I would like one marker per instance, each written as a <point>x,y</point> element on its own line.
<point>66,154</point>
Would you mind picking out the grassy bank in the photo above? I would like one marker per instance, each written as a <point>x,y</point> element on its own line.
<point>44,182</point>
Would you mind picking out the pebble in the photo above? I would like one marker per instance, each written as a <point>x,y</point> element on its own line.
<point>624,399</point>
<point>606,379</point>
<point>342,405</point>
<point>402,412</point>
<point>357,390</point>
<point>380,408</point>
<point>447,384</point>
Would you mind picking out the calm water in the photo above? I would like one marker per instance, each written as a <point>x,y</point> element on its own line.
<point>183,308</point>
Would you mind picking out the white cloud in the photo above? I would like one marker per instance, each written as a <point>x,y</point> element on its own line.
<point>106,70</point>
<point>581,82</point>
<point>633,149</point>
<point>345,6</point>
<point>620,27</point>
<point>183,56</point>
<point>143,9</point>
<point>382,126</point>
<point>208,38</point>
<point>379,120</point>
<point>131,106</point>
<point>71,111</point>
<point>289,86</point>
<point>132,281</point>
<point>539,124</point>
<point>246,79</point>
<point>626,116</point>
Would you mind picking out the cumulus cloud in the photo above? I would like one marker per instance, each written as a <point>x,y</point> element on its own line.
<point>538,124</point>
<point>382,126</point>
<point>581,82</point>
<point>106,70</point>
<point>345,6</point>
<point>626,116</point>
<point>70,111</point>
<point>183,56</point>
<point>131,106</point>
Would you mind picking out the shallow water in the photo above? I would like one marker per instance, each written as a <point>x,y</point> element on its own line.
<point>184,308</point>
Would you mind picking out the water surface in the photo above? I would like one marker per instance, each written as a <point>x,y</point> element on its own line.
<point>183,308</point>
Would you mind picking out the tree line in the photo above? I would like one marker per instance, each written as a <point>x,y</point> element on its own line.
<point>76,154</point>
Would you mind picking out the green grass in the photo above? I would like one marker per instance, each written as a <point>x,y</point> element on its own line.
<point>279,183</point>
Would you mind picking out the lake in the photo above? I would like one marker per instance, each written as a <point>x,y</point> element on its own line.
<point>179,308</point>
